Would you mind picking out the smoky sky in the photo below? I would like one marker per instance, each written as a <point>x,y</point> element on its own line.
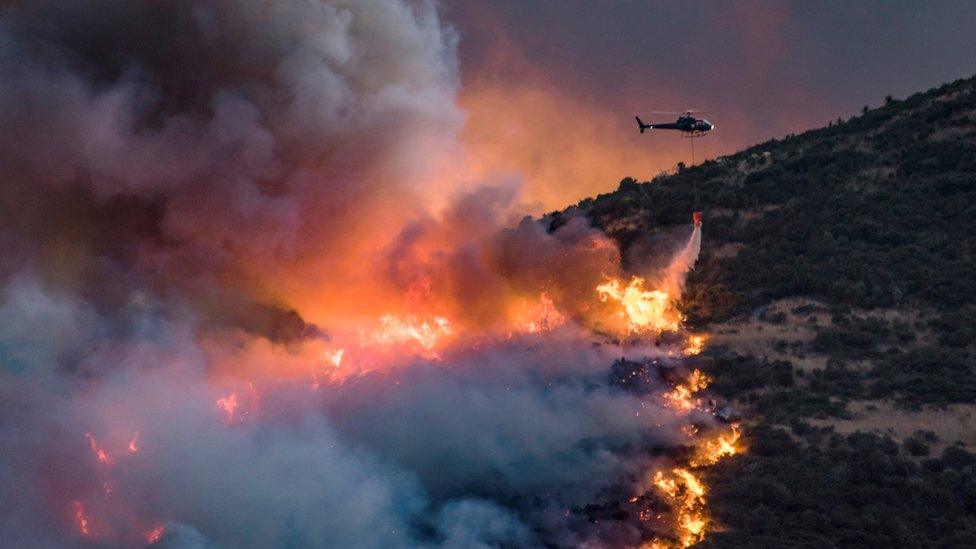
<point>760,70</point>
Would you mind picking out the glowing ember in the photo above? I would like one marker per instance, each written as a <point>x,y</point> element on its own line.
<point>81,519</point>
<point>155,534</point>
<point>100,454</point>
<point>645,310</point>
<point>694,344</point>
<point>681,397</point>
<point>229,405</point>
<point>134,443</point>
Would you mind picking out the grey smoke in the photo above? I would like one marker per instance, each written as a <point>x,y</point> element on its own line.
<point>163,167</point>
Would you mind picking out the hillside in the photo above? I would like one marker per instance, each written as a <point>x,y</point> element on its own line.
<point>838,286</point>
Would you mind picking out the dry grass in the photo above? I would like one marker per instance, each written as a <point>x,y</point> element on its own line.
<point>954,423</point>
<point>762,339</point>
<point>759,338</point>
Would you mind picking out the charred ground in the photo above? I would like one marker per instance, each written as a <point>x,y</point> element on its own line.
<point>838,283</point>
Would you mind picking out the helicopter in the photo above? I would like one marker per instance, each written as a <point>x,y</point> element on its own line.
<point>687,124</point>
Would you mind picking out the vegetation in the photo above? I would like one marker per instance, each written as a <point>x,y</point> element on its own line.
<point>869,216</point>
<point>878,211</point>
<point>861,490</point>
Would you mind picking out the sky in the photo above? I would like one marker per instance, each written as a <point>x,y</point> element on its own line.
<point>551,87</point>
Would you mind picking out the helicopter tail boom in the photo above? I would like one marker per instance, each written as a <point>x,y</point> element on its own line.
<point>642,125</point>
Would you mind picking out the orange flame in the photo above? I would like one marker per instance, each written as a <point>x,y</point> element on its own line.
<point>229,405</point>
<point>681,397</point>
<point>544,317</point>
<point>335,357</point>
<point>100,454</point>
<point>645,310</point>
<point>81,519</point>
<point>134,443</point>
<point>710,451</point>
<point>394,330</point>
<point>155,534</point>
<point>685,492</point>
<point>694,344</point>
<point>333,360</point>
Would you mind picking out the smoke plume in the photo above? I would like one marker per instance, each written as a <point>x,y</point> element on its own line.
<point>247,300</point>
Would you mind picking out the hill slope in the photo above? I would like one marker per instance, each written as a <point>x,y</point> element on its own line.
<point>838,284</point>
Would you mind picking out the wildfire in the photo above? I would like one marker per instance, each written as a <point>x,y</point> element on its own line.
<point>642,311</point>
<point>81,519</point>
<point>333,360</point>
<point>228,404</point>
<point>155,534</point>
<point>710,451</point>
<point>680,486</point>
<point>694,344</point>
<point>100,454</point>
<point>237,405</point>
<point>544,317</point>
<point>686,494</point>
<point>645,310</point>
<point>335,357</point>
<point>395,330</point>
<point>681,397</point>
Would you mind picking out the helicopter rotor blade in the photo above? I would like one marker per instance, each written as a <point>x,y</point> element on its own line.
<point>689,111</point>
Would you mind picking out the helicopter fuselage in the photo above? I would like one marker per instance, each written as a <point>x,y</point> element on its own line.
<point>686,124</point>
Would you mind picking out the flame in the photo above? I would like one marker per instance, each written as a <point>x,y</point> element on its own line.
<point>394,330</point>
<point>544,317</point>
<point>335,357</point>
<point>228,404</point>
<point>686,494</point>
<point>155,534</point>
<point>694,344</point>
<point>333,360</point>
<point>681,397</point>
<point>680,486</point>
<point>420,321</point>
<point>81,519</point>
<point>100,454</point>
<point>710,451</point>
<point>646,311</point>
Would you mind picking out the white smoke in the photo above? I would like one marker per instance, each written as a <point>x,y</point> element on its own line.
<point>684,261</point>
